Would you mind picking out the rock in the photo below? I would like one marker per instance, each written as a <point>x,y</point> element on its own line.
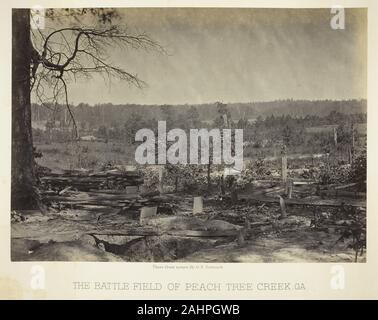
<point>88,239</point>
<point>71,251</point>
<point>101,246</point>
<point>294,220</point>
<point>220,225</point>
<point>177,223</point>
<point>21,248</point>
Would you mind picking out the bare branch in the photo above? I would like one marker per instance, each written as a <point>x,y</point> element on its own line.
<point>68,107</point>
<point>71,52</point>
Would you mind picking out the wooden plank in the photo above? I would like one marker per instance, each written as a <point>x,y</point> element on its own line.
<point>315,202</point>
<point>108,191</point>
<point>302,183</point>
<point>173,233</point>
<point>90,196</point>
<point>346,186</point>
<point>343,193</point>
<point>203,233</point>
<point>180,233</point>
<point>92,203</point>
<point>284,168</point>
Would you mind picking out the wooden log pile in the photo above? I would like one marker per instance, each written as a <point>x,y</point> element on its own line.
<point>84,181</point>
<point>102,192</point>
<point>124,204</point>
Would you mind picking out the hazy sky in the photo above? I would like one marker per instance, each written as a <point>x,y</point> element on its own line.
<point>238,55</point>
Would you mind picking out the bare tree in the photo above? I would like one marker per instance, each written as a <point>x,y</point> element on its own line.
<point>46,61</point>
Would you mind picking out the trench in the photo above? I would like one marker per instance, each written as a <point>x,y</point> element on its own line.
<point>164,248</point>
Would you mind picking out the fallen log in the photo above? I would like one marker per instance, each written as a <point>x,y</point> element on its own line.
<point>314,202</point>
<point>181,233</point>
<point>342,193</point>
<point>346,186</point>
<point>89,197</point>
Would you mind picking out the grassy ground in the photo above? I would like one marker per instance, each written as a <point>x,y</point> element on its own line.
<point>83,154</point>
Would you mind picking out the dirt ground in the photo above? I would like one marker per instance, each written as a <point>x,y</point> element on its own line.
<point>223,233</point>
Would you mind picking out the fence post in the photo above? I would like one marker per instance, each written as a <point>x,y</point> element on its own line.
<point>284,168</point>
<point>161,177</point>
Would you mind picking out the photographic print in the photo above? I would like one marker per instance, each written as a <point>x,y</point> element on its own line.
<point>212,135</point>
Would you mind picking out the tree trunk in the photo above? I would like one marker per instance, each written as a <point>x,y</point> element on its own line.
<point>23,175</point>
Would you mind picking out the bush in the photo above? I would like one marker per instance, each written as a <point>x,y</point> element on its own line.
<point>257,169</point>
<point>339,172</point>
<point>359,171</point>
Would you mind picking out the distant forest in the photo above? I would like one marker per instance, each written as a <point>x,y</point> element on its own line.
<point>302,126</point>
<point>111,115</point>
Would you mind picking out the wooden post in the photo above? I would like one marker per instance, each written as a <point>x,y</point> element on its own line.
<point>197,205</point>
<point>283,207</point>
<point>161,177</point>
<point>289,188</point>
<point>335,136</point>
<point>209,174</point>
<point>222,188</point>
<point>284,168</point>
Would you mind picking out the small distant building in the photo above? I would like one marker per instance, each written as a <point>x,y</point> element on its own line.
<point>89,138</point>
<point>207,122</point>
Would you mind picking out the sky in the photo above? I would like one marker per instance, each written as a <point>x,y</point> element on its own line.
<point>237,55</point>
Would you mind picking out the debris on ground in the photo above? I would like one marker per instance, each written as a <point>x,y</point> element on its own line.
<point>96,216</point>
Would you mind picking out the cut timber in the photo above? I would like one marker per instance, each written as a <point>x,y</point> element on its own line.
<point>316,202</point>
<point>132,189</point>
<point>175,233</point>
<point>81,203</point>
<point>142,231</point>
<point>84,196</point>
<point>202,233</point>
<point>108,191</point>
<point>346,186</point>
<point>65,190</point>
<point>342,193</point>
<point>302,182</point>
<point>85,181</point>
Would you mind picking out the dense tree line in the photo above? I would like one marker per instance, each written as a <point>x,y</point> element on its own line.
<point>111,115</point>
<point>264,135</point>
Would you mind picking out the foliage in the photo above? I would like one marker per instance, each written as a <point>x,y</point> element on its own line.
<point>256,169</point>
<point>353,221</point>
<point>333,173</point>
<point>188,178</point>
<point>336,171</point>
<point>358,171</point>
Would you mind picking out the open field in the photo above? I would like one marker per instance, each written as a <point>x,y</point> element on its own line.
<point>83,154</point>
